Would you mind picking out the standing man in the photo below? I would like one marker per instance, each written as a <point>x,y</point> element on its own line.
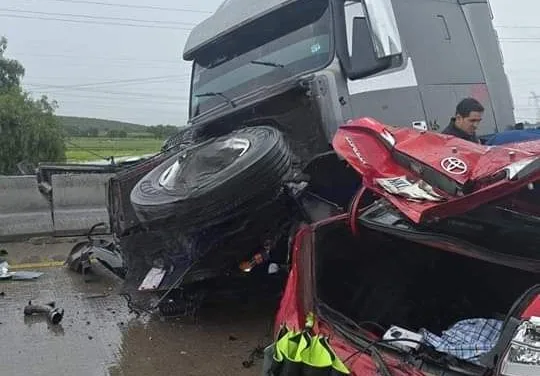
<point>468,116</point>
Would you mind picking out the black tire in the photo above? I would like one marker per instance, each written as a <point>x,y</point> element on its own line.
<point>214,181</point>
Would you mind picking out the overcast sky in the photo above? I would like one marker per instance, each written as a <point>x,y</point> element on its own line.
<point>73,62</point>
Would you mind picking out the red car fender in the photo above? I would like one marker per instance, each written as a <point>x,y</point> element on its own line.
<point>291,312</point>
<point>533,309</point>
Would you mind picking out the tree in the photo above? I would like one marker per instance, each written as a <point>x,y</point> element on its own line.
<point>11,71</point>
<point>29,130</point>
<point>72,130</point>
<point>114,133</point>
<point>162,131</point>
<point>92,132</point>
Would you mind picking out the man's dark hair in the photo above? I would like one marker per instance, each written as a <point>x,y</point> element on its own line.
<point>519,126</point>
<point>468,105</point>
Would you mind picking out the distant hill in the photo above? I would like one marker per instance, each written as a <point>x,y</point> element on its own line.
<point>89,127</point>
<point>84,124</point>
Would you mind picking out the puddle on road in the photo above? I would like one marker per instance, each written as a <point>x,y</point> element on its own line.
<point>99,337</point>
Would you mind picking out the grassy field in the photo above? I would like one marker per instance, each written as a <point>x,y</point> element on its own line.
<point>79,149</point>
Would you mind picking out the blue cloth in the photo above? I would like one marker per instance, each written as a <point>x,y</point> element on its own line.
<point>508,137</point>
<point>467,339</point>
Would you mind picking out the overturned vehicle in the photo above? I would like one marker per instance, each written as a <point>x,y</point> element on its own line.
<point>272,82</point>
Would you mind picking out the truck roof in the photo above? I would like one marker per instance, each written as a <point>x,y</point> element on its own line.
<point>230,15</point>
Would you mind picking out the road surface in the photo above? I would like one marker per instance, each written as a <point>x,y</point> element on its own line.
<point>99,336</point>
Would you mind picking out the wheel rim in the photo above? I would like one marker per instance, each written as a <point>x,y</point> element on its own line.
<point>190,169</point>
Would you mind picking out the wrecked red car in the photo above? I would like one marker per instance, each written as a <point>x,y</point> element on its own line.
<point>434,269</point>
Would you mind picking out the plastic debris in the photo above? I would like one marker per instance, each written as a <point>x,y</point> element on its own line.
<point>54,315</point>
<point>4,271</point>
<point>17,276</point>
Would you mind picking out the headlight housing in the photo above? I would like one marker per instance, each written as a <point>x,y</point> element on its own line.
<point>523,355</point>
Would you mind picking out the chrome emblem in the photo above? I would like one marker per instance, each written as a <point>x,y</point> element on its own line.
<point>454,166</point>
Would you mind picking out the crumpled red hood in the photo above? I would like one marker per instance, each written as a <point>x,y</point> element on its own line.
<point>378,151</point>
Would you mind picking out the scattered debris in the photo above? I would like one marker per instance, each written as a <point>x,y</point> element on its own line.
<point>53,314</point>
<point>257,353</point>
<point>4,271</point>
<point>5,274</point>
<point>153,279</point>
<point>97,296</point>
<point>25,275</point>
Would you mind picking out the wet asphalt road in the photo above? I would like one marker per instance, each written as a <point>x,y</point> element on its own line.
<point>98,336</point>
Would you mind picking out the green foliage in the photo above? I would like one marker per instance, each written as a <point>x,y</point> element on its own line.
<point>29,131</point>
<point>117,134</point>
<point>93,132</point>
<point>87,148</point>
<point>85,126</point>
<point>163,131</point>
<point>11,71</point>
<point>89,127</point>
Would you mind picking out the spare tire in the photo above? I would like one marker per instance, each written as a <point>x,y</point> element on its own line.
<point>215,179</point>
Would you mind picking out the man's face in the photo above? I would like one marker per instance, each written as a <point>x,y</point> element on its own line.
<point>469,124</point>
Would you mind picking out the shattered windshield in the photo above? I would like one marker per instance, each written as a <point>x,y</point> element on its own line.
<point>280,45</point>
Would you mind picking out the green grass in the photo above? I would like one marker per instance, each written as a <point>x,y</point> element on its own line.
<point>80,149</point>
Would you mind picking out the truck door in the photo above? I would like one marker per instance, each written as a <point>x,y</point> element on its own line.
<point>449,63</point>
<point>391,96</point>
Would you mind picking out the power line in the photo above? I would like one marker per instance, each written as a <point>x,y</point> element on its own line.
<point>90,84</point>
<point>128,59</point>
<point>105,86</point>
<point>93,22</point>
<point>520,40</point>
<point>116,95</point>
<point>517,27</point>
<point>106,100</point>
<point>132,6</point>
<point>125,93</point>
<point>86,16</point>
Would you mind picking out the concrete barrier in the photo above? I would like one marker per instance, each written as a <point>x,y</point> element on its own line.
<point>24,211</point>
<point>79,202</point>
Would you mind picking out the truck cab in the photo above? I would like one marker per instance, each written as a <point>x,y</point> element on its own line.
<point>325,62</point>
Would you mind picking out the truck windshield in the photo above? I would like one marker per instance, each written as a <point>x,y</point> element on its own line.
<point>291,40</point>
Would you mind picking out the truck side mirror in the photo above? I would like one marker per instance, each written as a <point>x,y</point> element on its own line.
<point>368,40</point>
<point>364,60</point>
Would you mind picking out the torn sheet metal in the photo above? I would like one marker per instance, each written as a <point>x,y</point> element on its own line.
<point>4,271</point>
<point>153,279</point>
<point>5,274</point>
<point>416,191</point>
<point>25,275</point>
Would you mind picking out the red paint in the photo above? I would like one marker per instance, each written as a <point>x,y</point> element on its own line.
<point>362,144</point>
<point>533,309</point>
<point>292,314</point>
<point>291,310</point>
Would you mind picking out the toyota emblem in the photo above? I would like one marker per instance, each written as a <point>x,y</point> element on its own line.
<point>454,165</point>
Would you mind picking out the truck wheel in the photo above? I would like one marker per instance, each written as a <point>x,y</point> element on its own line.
<point>215,179</point>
